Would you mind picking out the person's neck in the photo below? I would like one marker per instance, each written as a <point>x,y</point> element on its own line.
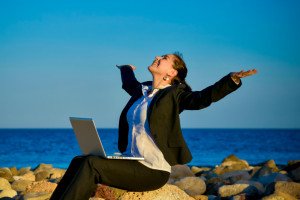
<point>158,81</point>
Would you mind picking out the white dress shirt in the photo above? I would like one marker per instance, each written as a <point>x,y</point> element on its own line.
<point>140,141</point>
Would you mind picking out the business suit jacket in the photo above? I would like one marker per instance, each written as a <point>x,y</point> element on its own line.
<point>164,110</point>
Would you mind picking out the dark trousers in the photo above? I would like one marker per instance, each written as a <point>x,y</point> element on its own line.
<point>85,172</point>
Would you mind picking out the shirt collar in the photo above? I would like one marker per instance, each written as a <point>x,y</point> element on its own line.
<point>146,88</point>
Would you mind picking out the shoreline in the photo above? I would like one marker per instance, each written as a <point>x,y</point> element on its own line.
<point>233,178</point>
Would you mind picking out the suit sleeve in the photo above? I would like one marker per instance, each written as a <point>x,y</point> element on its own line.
<point>129,82</point>
<point>200,99</point>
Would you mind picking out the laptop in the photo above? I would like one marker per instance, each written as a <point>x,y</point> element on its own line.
<point>89,139</point>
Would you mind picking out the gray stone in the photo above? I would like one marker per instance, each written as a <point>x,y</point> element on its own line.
<point>4,184</point>
<point>295,174</point>
<point>180,171</point>
<point>20,185</point>
<point>8,193</point>
<point>197,170</point>
<point>265,180</point>
<point>231,190</point>
<point>42,167</point>
<point>37,196</point>
<point>23,170</point>
<point>212,197</point>
<point>238,197</point>
<point>264,171</point>
<point>192,185</point>
<point>290,188</point>
<point>234,176</point>
<point>258,185</point>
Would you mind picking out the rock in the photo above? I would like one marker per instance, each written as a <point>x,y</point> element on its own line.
<point>234,176</point>
<point>167,192</point>
<point>56,173</point>
<point>213,188</point>
<point>253,170</point>
<point>264,171</point>
<point>239,197</point>
<point>103,191</point>
<point>37,196</point>
<point>8,193</point>
<point>6,173</point>
<point>270,163</point>
<point>42,167</point>
<point>212,197</point>
<point>20,185</point>
<point>231,158</point>
<point>192,185</point>
<point>14,171</point>
<point>96,198</point>
<point>42,175</point>
<point>211,175</point>
<point>29,176</point>
<point>258,185</point>
<point>231,190</point>
<point>40,186</point>
<point>230,166</point>
<point>23,171</point>
<point>197,170</point>
<point>290,188</point>
<point>295,174</point>
<point>180,171</point>
<point>200,197</point>
<point>279,196</point>
<point>265,180</point>
<point>4,184</point>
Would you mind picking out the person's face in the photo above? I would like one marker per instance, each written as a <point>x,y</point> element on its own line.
<point>162,65</point>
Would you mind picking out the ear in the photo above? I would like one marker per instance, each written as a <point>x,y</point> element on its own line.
<point>172,73</point>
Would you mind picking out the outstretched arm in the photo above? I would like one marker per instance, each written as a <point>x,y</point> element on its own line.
<point>201,99</point>
<point>129,82</point>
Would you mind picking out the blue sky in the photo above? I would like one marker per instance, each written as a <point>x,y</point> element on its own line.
<point>57,59</point>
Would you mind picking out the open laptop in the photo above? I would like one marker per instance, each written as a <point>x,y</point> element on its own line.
<point>89,139</point>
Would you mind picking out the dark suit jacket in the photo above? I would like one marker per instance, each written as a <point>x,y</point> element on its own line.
<point>164,110</point>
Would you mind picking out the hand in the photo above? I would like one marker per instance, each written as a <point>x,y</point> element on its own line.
<point>120,66</point>
<point>243,74</point>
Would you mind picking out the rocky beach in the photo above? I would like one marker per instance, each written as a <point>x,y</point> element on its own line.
<point>232,179</point>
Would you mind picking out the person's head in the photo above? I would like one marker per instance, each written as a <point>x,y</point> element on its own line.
<point>170,68</point>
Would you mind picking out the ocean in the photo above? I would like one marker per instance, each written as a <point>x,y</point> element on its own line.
<point>30,147</point>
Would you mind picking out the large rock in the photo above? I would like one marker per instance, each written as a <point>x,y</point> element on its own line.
<point>4,184</point>
<point>56,173</point>
<point>37,196</point>
<point>265,180</point>
<point>199,170</point>
<point>295,174</point>
<point>290,188</point>
<point>6,173</point>
<point>265,171</point>
<point>40,186</point>
<point>103,191</point>
<point>234,176</point>
<point>167,192</point>
<point>231,190</point>
<point>180,171</point>
<point>279,196</point>
<point>200,197</point>
<point>231,158</point>
<point>258,185</point>
<point>8,193</point>
<point>42,167</point>
<point>20,185</point>
<point>14,171</point>
<point>23,171</point>
<point>230,166</point>
<point>42,175</point>
<point>191,185</point>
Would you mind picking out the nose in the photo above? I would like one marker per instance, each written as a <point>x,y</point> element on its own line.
<point>157,57</point>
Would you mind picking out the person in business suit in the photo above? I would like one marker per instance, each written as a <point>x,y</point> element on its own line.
<point>149,126</point>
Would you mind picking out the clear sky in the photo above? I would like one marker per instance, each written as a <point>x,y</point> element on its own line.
<point>57,59</point>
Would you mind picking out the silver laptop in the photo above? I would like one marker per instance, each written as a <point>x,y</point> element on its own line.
<point>89,139</point>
